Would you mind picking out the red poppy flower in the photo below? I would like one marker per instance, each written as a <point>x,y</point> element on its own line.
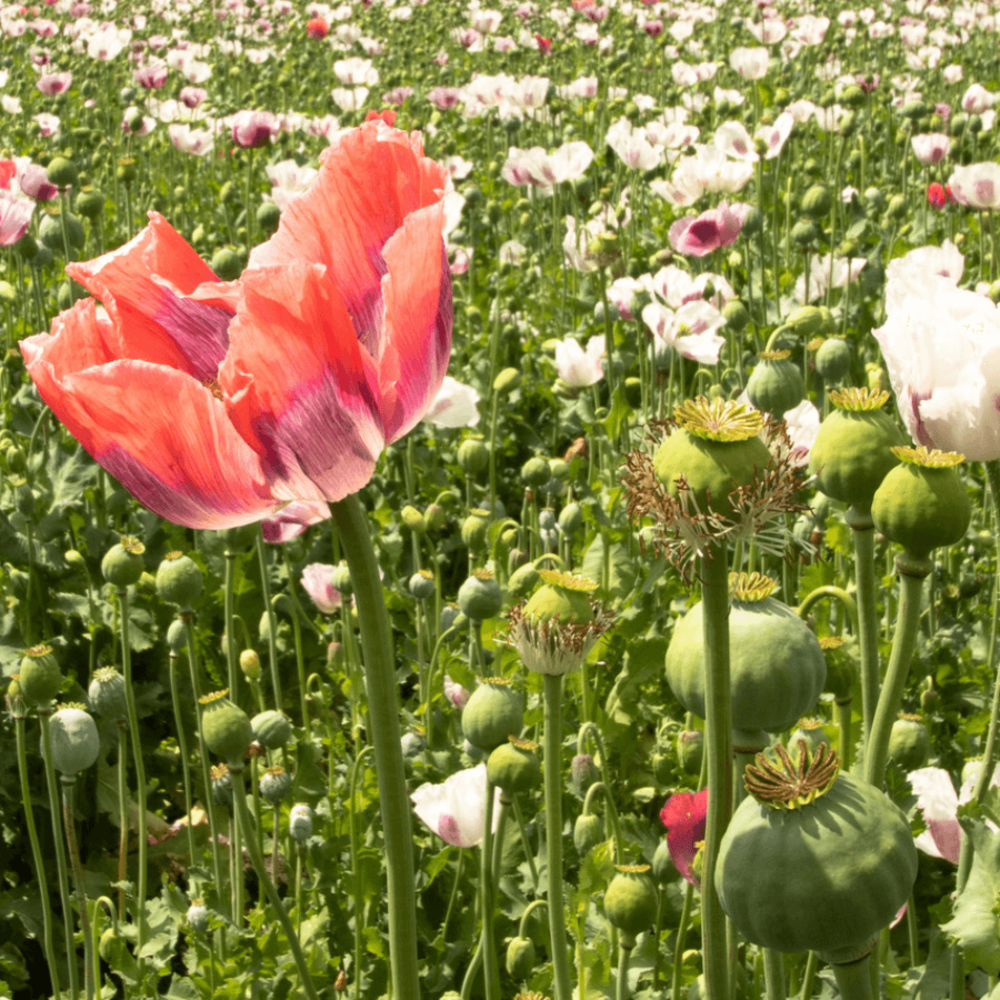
<point>214,403</point>
<point>684,817</point>
<point>317,28</point>
<point>936,195</point>
<point>544,44</point>
<point>388,116</point>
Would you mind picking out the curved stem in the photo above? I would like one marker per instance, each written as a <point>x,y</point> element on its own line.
<point>554,836</point>
<point>257,859</point>
<point>911,580</point>
<point>718,751</point>
<point>140,775</point>
<point>383,722</point>
<point>36,854</point>
<point>864,568</point>
<point>834,593</point>
<point>612,813</point>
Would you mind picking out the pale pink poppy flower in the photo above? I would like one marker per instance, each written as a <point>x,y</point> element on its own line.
<point>460,258</point>
<point>582,87</point>
<point>629,294</point>
<point>289,180</point>
<point>776,135</point>
<point>977,185</point>
<point>148,123</point>
<point>698,236</point>
<point>545,170</point>
<point>734,140</point>
<point>51,84</point>
<point>652,27</point>
<point>454,406</point>
<point>191,97</point>
<point>455,810</point>
<point>253,129</point>
<point>912,35</point>
<point>397,97</point>
<point>810,29</point>
<point>106,41</point>
<point>468,38</point>
<point>292,520</point>
<point>458,167</point>
<point>444,98</point>
<point>751,64</point>
<point>33,182</point>
<point>878,30</point>
<point>676,135</point>
<point>824,275</point>
<point>684,74</point>
<point>930,147</point>
<point>43,27</point>
<point>512,252</point>
<point>691,330</point>
<point>768,31</point>
<point>486,21</point>
<point>802,424</point>
<point>801,110</point>
<point>350,98</point>
<point>151,77</point>
<point>455,693</point>
<point>355,71</point>
<point>15,216</point>
<point>632,146</point>
<point>708,171</point>
<point>316,582</point>
<point>724,95</point>
<point>529,92</point>
<point>48,125</point>
<point>945,261</point>
<point>186,139</point>
<point>577,367</point>
<point>441,59</point>
<point>952,73</point>
<point>977,99</point>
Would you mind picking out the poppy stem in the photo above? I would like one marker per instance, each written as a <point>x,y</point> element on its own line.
<point>383,723</point>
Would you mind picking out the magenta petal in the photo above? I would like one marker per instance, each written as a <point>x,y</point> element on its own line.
<point>301,389</point>
<point>947,834</point>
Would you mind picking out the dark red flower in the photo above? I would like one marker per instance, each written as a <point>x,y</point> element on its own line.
<point>684,817</point>
<point>317,28</point>
<point>544,44</point>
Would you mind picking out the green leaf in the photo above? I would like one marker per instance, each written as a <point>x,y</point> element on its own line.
<point>617,419</point>
<point>620,569</point>
<point>974,925</point>
<point>374,942</point>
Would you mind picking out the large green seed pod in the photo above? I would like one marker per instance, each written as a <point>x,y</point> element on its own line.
<point>630,900</point>
<point>852,452</point>
<point>777,670</point>
<point>841,667</point>
<point>106,694</point>
<point>178,579</point>
<point>813,859</point>
<point>833,359</point>
<point>275,784</point>
<point>588,832</point>
<point>40,677</point>
<point>75,743</point>
<point>475,529</point>
<point>561,596</point>
<point>480,596</point>
<point>922,504</point>
<point>492,713</point>
<point>122,564</point>
<point>514,766</point>
<point>271,729</point>
<point>714,450</point>
<point>520,957</point>
<point>775,386</point>
<point>226,728</point>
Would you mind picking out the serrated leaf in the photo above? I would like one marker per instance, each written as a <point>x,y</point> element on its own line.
<point>974,925</point>
<point>374,942</point>
<point>620,570</point>
<point>69,476</point>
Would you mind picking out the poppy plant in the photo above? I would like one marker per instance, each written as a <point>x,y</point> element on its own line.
<point>214,403</point>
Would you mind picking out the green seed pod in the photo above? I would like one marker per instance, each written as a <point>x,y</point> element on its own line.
<point>562,596</point>
<point>810,731</point>
<point>250,664</point>
<point>473,455</point>
<point>715,449</point>
<point>493,712</point>
<point>735,314</point>
<point>777,670</point>
<point>275,784</point>
<point>271,729</point>
<point>40,677</point>
<point>480,596</point>
<point>178,580</point>
<point>413,519</point>
<point>804,233</point>
<point>475,529</point>
<point>922,504</point>
<point>584,772</point>
<point>106,694</point>
<point>896,208</point>
<point>422,585</point>
<point>536,472</point>
<point>222,786</point>
<point>268,217</point>
<point>663,869</point>
<point>16,704</point>
<point>61,172</point>
<point>50,232</point>
<point>817,201</point>
<point>813,860</point>
<point>111,946</point>
<point>514,766</point>
<point>691,750</point>
<point>507,381</point>
<point>571,518</point>
<point>227,264</point>
<point>588,832</point>
<point>300,822</point>
<point>123,564</point>
<point>520,958</point>
<point>853,450</point>
<point>176,636</point>
<point>841,667</point>
<point>226,728</point>
<point>75,743</point>
<point>806,321</point>
<point>630,901</point>
<point>776,384</point>
<point>909,742</point>
<point>833,359</point>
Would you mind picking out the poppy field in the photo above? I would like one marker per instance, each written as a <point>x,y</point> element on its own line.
<point>499,502</point>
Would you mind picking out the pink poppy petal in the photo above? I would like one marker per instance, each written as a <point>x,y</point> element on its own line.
<point>418,313</point>
<point>144,287</point>
<point>310,409</point>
